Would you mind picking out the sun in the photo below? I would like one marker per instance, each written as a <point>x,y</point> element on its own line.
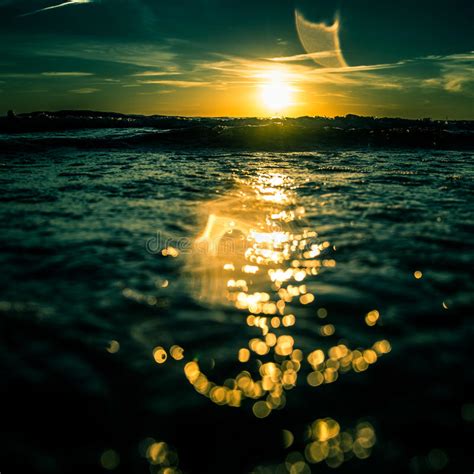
<point>276,93</point>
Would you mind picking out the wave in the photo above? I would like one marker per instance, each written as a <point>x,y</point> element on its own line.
<point>34,132</point>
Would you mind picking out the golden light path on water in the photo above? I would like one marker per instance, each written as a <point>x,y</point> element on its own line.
<point>257,254</point>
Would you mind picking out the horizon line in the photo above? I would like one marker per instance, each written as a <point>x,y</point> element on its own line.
<point>242,117</point>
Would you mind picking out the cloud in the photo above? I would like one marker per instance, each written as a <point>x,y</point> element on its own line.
<point>84,90</point>
<point>455,84</point>
<point>184,84</point>
<point>303,57</point>
<point>342,69</point>
<point>452,73</point>
<point>148,55</point>
<point>66,74</point>
<point>158,92</point>
<point>43,75</point>
<point>156,73</point>
<point>60,5</point>
<point>456,73</point>
<point>240,71</point>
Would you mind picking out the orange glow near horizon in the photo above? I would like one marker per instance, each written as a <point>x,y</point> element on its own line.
<point>254,89</point>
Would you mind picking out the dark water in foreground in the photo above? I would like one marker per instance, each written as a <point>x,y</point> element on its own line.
<point>354,363</point>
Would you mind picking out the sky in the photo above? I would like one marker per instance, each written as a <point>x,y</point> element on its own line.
<point>239,57</point>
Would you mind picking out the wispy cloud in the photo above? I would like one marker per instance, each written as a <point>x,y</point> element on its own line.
<point>454,83</point>
<point>456,73</point>
<point>84,90</point>
<point>146,55</point>
<point>158,92</point>
<point>156,73</point>
<point>178,83</point>
<point>66,74</point>
<point>60,5</point>
<point>42,75</point>
<point>453,73</point>
<point>303,57</point>
<point>342,69</point>
<point>237,70</point>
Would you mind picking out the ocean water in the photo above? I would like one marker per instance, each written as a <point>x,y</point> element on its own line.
<point>196,310</point>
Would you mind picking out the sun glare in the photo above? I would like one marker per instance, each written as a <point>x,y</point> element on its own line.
<point>276,94</point>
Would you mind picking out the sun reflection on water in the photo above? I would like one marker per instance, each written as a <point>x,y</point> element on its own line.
<point>257,254</point>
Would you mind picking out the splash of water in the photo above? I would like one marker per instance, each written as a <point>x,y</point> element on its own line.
<point>321,41</point>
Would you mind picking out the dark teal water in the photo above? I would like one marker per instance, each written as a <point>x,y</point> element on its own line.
<point>87,295</point>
